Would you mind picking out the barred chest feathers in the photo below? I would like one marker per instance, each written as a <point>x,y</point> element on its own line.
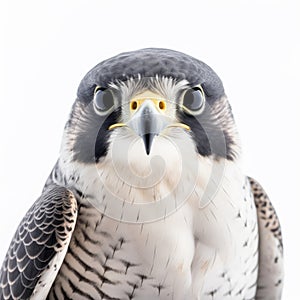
<point>206,246</point>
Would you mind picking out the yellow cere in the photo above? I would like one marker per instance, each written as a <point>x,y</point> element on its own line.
<point>160,103</point>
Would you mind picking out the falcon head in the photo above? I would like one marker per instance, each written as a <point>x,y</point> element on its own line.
<point>145,94</point>
<point>148,104</point>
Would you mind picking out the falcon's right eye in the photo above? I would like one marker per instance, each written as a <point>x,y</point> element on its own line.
<point>194,100</point>
<point>104,101</point>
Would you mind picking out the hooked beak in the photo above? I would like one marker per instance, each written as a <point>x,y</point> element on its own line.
<point>148,122</point>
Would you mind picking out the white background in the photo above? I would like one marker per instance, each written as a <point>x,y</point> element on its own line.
<point>254,46</point>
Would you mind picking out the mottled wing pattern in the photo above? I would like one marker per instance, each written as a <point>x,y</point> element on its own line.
<point>39,246</point>
<point>270,276</point>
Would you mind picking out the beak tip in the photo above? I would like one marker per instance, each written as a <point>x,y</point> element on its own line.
<point>148,139</point>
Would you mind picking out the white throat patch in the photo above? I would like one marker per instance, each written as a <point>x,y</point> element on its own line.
<point>131,186</point>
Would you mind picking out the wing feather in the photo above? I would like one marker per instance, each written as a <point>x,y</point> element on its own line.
<point>270,274</point>
<point>39,245</point>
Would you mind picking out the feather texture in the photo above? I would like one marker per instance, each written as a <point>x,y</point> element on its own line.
<point>39,245</point>
<point>270,276</point>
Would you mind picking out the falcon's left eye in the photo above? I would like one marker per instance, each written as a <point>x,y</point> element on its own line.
<point>103,100</point>
<point>193,100</point>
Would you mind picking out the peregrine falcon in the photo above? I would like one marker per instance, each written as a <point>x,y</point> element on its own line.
<point>147,199</point>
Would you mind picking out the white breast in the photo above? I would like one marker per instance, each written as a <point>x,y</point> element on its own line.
<point>192,233</point>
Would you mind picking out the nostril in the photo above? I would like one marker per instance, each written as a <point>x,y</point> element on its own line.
<point>162,105</point>
<point>133,105</point>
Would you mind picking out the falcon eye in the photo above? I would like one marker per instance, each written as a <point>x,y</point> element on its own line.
<point>193,100</point>
<point>103,100</point>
